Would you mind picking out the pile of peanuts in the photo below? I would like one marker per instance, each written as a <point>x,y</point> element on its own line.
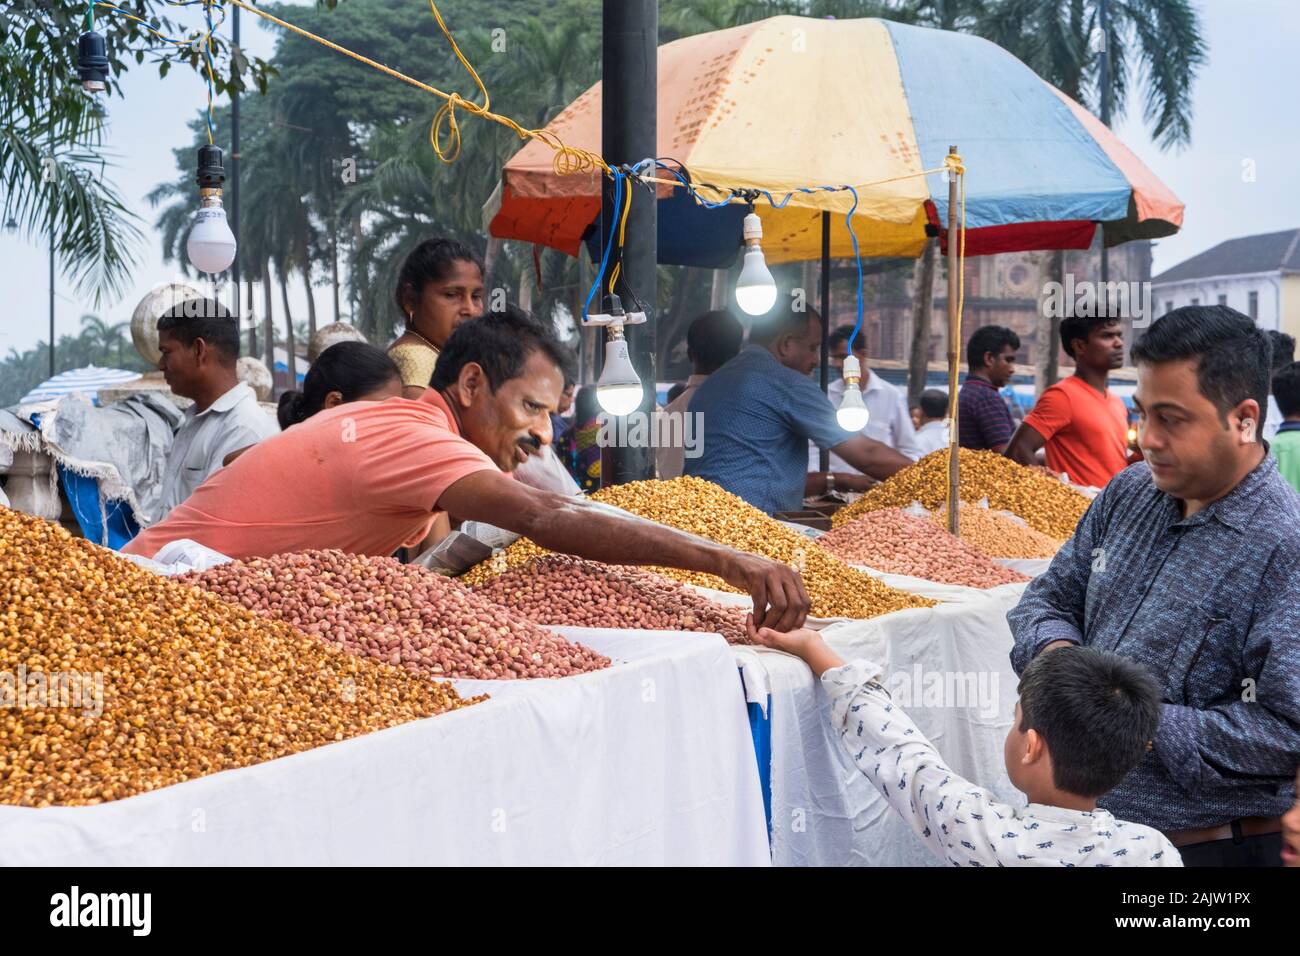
<point>558,589</point>
<point>397,613</point>
<point>1046,503</point>
<point>701,507</point>
<point>890,540</point>
<point>997,535</point>
<point>121,681</point>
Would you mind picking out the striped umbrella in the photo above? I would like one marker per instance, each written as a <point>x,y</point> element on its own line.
<point>88,380</point>
<point>792,102</point>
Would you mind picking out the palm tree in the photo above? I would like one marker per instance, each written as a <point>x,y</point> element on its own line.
<point>1063,41</point>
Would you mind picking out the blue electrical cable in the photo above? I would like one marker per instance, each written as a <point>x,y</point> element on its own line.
<point>848,222</point>
<point>604,260</point>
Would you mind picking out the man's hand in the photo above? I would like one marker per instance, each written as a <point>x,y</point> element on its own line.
<point>780,600</point>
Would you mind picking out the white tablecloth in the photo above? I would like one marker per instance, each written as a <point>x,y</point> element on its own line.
<point>649,762</point>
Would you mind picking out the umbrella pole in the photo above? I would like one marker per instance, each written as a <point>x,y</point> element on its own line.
<point>954,353</point>
<point>824,464</point>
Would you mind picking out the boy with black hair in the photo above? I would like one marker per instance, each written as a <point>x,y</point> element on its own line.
<point>199,345</point>
<point>1084,719</point>
<point>1189,564</point>
<point>1285,444</point>
<point>1080,423</point>
<point>1283,355</point>
<point>932,434</point>
<point>712,340</point>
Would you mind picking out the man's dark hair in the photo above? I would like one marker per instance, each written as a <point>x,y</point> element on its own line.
<point>1286,388</point>
<point>713,339</point>
<point>934,403</point>
<point>500,343</point>
<point>205,319</point>
<point>1283,348</point>
<point>1232,354</point>
<point>1080,327</point>
<point>430,261</point>
<point>1095,711</point>
<point>989,338</point>
<point>783,319</point>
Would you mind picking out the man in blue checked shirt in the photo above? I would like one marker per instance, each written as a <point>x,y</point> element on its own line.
<point>1189,563</point>
<point>760,411</point>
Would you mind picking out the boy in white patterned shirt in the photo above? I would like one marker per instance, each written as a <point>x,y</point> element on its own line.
<point>1084,719</point>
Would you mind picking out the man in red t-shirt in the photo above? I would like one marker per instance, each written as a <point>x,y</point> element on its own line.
<point>1080,423</point>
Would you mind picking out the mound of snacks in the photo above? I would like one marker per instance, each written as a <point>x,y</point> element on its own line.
<point>998,535</point>
<point>890,540</point>
<point>119,681</point>
<point>558,589</point>
<point>701,507</point>
<point>1047,504</point>
<point>398,613</point>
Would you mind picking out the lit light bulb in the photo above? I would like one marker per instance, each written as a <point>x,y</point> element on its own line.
<point>755,289</point>
<point>211,245</point>
<point>1132,435</point>
<point>619,388</point>
<point>852,414</point>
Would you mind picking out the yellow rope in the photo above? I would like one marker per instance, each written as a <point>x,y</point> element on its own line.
<point>568,159</point>
<point>622,231</point>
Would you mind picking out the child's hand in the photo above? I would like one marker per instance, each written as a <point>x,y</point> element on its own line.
<point>792,642</point>
<point>803,643</point>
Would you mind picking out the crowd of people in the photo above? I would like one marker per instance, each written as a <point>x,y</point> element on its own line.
<point>1159,654</point>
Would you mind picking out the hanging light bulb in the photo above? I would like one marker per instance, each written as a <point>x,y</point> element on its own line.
<point>755,289</point>
<point>618,390</point>
<point>92,61</point>
<point>211,245</point>
<point>852,413</point>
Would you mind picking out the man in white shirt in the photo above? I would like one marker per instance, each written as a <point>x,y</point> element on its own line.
<point>889,421</point>
<point>1084,719</point>
<point>199,342</point>
<point>1283,355</point>
<point>933,433</point>
<point>712,340</point>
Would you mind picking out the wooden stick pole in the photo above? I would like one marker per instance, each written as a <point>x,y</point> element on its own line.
<point>954,352</point>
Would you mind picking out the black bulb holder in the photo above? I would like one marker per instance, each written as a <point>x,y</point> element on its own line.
<point>92,61</point>
<point>212,170</point>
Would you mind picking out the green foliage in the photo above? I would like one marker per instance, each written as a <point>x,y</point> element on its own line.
<point>98,343</point>
<point>51,166</point>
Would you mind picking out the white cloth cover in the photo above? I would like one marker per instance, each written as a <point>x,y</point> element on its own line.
<point>649,762</point>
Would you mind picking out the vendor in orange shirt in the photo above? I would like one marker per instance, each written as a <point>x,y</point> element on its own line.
<point>1080,423</point>
<point>369,477</point>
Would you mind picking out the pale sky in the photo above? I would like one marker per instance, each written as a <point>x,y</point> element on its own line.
<point>1245,109</point>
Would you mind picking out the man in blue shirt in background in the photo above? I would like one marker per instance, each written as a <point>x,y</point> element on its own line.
<point>1189,563</point>
<point>760,411</point>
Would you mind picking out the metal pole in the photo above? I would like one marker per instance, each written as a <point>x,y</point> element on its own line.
<point>954,352</point>
<point>234,190</point>
<point>1103,17</point>
<point>629,65</point>
<point>824,461</point>
<point>53,188</point>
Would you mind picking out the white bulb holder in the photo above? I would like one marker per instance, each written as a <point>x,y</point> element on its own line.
<point>852,414</point>
<point>211,245</point>
<point>619,390</point>
<point>755,287</point>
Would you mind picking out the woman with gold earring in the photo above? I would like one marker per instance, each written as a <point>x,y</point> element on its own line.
<point>439,287</point>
